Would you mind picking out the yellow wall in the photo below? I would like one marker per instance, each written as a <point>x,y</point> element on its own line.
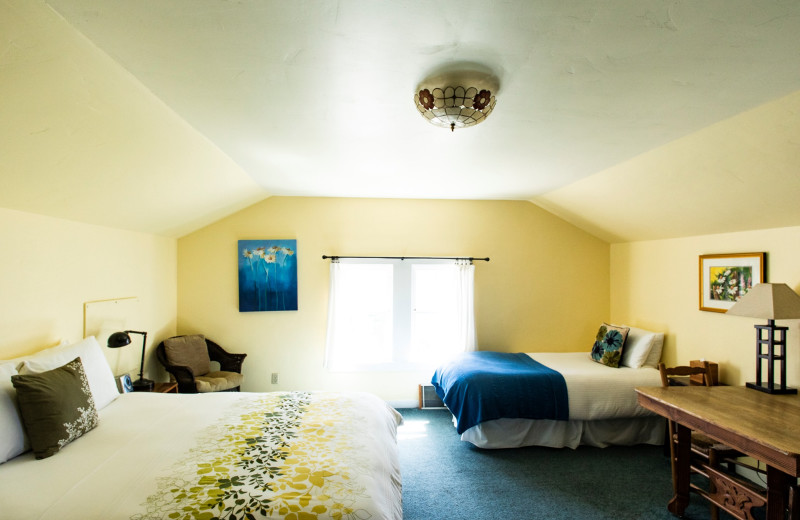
<point>545,288</point>
<point>654,285</point>
<point>50,267</point>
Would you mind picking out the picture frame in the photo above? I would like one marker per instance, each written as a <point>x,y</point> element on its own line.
<point>267,275</point>
<point>724,278</point>
<point>124,384</point>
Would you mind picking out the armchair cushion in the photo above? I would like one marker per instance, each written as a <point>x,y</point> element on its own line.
<point>190,351</point>
<point>218,381</point>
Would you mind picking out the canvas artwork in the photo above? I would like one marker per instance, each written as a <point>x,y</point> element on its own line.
<point>725,278</point>
<point>267,275</point>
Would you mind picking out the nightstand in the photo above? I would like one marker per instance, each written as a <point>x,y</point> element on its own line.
<point>166,388</point>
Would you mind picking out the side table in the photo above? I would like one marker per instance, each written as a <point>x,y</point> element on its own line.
<point>166,388</point>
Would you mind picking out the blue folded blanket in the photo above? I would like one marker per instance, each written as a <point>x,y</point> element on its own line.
<point>483,386</point>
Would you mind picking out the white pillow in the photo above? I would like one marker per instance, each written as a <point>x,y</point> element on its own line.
<point>654,356</point>
<point>12,437</point>
<point>637,347</point>
<point>101,379</point>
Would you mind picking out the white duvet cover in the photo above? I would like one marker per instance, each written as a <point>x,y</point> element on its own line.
<point>319,455</point>
<point>603,409</point>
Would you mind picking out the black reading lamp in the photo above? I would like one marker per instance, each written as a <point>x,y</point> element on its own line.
<point>771,301</point>
<point>121,339</point>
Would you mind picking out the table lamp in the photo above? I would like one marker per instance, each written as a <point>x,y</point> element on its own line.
<point>121,339</point>
<point>771,301</point>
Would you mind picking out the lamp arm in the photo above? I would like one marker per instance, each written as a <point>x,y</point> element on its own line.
<point>144,342</point>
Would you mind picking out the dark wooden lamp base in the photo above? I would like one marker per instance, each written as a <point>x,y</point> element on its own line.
<point>772,390</point>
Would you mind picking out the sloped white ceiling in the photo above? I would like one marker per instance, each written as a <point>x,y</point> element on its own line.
<point>81,139</point>
<point>315,98</point>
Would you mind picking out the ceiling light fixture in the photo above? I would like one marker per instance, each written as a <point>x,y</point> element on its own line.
<point>457,99</point>
<point>455,106</point>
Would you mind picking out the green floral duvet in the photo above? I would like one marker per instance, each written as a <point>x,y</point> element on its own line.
<point>293,456</point>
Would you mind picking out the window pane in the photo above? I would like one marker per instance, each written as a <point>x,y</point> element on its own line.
<point>434,324</point>
<point>364,332</point>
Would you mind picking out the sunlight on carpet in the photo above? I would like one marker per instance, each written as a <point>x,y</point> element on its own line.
<point>412,429</point>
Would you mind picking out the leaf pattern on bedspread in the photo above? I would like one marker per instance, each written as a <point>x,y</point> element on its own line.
<point>278,459</point>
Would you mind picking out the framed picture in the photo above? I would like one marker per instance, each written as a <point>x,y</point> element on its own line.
<point>725,278</point>
<point>267,275</point>
<point>124,384</point>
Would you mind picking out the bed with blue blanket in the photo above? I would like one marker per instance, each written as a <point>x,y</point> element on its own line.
<point>505,400</point>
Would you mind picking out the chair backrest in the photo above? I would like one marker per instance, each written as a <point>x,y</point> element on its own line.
<point>683,371</point>
<point>189,350</point>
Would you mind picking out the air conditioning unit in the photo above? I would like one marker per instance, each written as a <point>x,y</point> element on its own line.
<point>428,398</point>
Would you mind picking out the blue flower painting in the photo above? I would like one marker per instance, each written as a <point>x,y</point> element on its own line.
<point>267,275</point>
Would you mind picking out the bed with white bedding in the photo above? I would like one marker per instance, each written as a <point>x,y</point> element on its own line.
<point>602,405</point>
<point>603,410</point>
<point>287,455</point>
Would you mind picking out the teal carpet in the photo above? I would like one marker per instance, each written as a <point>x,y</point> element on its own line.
<point>447,479</point>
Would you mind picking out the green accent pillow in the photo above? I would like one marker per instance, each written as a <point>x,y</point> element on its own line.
<point>56,407</point>
<point>608,343</point>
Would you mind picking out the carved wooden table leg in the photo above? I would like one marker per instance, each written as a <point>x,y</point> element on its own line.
<point>777,487</point>
<point>680,501</point>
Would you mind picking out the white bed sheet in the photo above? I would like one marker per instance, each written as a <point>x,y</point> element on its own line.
<point>597,391</point>
<point>111,471</point>
<point>603,409</point>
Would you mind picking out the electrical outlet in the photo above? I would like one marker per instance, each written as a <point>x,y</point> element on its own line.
<point>274,378</point>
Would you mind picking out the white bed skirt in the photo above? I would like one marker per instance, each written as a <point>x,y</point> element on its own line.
<point>515,433</point>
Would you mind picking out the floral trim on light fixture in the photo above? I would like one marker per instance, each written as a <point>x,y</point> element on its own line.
<point>426,99</point>
<point>480,101</point>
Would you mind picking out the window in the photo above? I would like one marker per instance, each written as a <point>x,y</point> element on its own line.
<point>387,314</point>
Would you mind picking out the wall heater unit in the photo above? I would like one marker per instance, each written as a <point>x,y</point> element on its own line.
<point>428,398</point>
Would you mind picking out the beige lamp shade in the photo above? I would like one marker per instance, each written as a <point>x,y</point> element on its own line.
<point>772,301</point>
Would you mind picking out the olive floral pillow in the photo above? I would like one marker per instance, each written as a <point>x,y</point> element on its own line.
<point>608,343</point>
<point>56,407</point>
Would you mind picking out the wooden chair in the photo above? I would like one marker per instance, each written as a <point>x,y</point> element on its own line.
<point>707,457</point>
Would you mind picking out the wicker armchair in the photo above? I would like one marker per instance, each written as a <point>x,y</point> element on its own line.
<point>189,364</point>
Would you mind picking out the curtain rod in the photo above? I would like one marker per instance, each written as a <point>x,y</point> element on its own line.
<point>470,258</point>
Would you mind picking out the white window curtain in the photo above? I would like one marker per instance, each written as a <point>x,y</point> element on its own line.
<point>466,304</point>
<point>348,347</point>
<point>332,316</point>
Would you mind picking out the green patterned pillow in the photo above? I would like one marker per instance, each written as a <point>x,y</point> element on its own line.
<point>608,343</point>
<point>56,407</point>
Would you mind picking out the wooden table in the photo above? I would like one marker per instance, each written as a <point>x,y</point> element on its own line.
<point>765,427</point>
